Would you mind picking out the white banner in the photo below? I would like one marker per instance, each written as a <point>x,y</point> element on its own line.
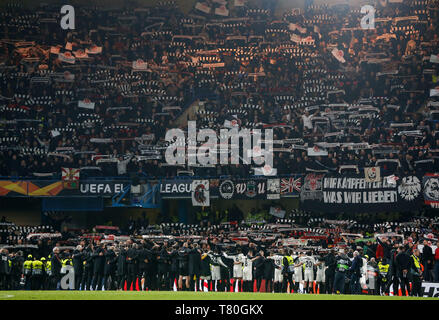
<point>202,7</point>
<point>222,11</point>
<point>140,65</point>
<point>200,193</point>
<point>372,174</point>
<point>316,151</point>
<point>86,104</point>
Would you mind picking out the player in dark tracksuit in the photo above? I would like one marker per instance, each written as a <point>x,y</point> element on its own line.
<point>78,265</point>
<point>163,268</point>
<point>98,266</point>
<point>174,271</point>
<point>132,267</point>
<point>109,269</point>
<point>183,266</point>
<point>194,260</point>
<point>88,269</point>
<point>121,268</point>
<point>268,274</point>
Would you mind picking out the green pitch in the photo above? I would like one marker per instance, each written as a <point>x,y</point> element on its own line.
<point>170,295</point>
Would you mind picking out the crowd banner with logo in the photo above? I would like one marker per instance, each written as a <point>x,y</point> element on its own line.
<point>430,183</point>
<point>200,193</point>
<point>243,189</point>
<point>70,177</point>
<point>372,174</point>
<point>291,186</point>
<point>336,194</point>
<point>273,189</point>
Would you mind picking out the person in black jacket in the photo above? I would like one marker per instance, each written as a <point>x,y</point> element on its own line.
<point>427,259</point>
<point>78,265</point>
<point>183,266</point>
<point>4,269</point>
<point>163,268</point>
<point>402,269</point>
<point>174,270</point>
<point>355,270</point>
<point>56,268</point>
<point>194,261</point>
<point>331,264</point>
<point>258,269</point>
<point>121,267</point>
<point>98,266</point>
<point>109,269</point>
<point>268,274</point>
<point>16,271</point>
<point>87,275</point>
<point>132,267</point>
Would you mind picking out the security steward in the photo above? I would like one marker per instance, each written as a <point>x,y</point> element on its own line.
<point>416,270</point>
<point>48,270</point>
<point>288,271</point>
<point>383,274</point>
<point>27,271</point>
<point>37,274</point>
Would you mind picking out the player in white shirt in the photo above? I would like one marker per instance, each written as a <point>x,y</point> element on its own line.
<point>298,271</point>
<point>237,267</point>
<point>320,274</point>
<point>278,277</point>
<point>247,271</point>
<point>215,269</point>
<point>308,268</point>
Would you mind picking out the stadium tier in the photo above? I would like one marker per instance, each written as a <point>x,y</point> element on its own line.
<point>233,146</point>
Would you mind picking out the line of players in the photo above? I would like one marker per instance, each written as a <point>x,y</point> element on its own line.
<point>289,273</point>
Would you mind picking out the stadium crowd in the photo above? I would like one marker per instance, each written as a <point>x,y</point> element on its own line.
<point>301,254</point>
<point>101,97</point>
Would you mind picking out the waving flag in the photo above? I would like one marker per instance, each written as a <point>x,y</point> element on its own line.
<point>140,65</point>
<point>94,49</point>
<point>86,104</point>
<point>338,54</point>
<point>66,57</point>
<point>222,11</point>
<point>202,7</point>
<point>80,54</point>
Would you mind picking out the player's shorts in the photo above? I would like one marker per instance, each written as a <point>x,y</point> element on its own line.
<point>215,272</point>
<point>237,271</point>
<point>184,272</point>
<point>278,276</point>
<point>309,275</point>
<point>247,274</point>
<point>205,277</point>
<point>320,276</point>
<point>298,274</point>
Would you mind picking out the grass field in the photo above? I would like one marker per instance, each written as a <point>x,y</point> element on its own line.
<point>170,295</point>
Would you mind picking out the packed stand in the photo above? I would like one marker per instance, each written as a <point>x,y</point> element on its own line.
<point>101,97</point>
